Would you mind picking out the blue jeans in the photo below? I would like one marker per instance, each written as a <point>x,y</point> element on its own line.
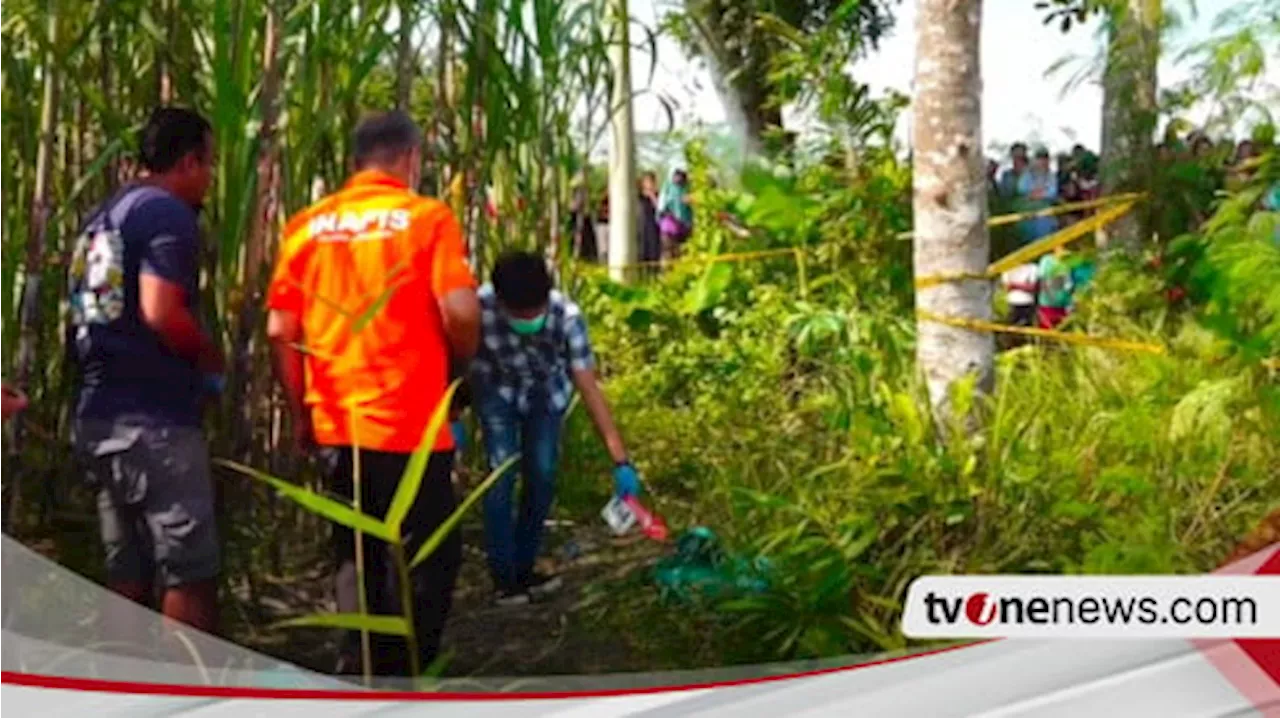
<point>513,537</point>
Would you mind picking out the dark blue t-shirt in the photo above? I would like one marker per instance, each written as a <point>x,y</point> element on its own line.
<point>127,374</point>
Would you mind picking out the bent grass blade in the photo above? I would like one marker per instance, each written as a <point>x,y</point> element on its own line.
<point>334,511</point>
<point>445,528</point>
<point>411,479</point>
<point>393,283</point>
<point>386,625</point>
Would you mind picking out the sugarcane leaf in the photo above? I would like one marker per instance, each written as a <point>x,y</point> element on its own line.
<point>386,625</point>
<point>411,479</point>
<point>317,504</point>
<point>438,536</point>
<point>376,306</point>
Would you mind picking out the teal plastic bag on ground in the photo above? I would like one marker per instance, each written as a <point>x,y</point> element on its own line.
<point>701,569</point>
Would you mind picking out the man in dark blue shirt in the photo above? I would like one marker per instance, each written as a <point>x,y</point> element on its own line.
<point>146,366</point>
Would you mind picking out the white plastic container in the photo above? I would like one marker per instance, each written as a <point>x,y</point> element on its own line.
<point>619,516</point>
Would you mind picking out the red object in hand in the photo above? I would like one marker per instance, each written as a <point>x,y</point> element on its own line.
<point>650,523</point>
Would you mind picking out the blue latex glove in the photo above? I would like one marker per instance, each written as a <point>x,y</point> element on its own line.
<point>626,482</point>
<point>459,435</point>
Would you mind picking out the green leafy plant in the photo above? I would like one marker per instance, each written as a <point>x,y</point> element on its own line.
<point>388,528</point>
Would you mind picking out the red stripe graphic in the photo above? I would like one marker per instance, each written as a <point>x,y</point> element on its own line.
<point>1251,665</point>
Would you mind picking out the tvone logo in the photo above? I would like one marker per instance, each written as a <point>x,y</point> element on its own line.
<point>980,609</point>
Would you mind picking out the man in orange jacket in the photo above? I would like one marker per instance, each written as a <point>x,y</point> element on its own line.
<point>371,303</point>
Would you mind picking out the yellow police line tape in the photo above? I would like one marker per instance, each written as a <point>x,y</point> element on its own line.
<point>1003,219</point>
<point>1066,337</point>
<point>1122,204</point>
<point>698,259</point>
<point>1067,208</point>
<point>1062,237</point>
<point>1026,254</point>
<point>1071,233</point>
<point>1034,250</point>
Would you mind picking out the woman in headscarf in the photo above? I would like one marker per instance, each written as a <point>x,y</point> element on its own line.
<point>647,223</point>
<point>675,215</point>
<point>1037,189</point>
<point>582,227</point>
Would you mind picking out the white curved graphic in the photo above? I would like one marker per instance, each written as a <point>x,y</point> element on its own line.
<point>52,668</point>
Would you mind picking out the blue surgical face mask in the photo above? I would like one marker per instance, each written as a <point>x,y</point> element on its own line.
<point>526,327</point>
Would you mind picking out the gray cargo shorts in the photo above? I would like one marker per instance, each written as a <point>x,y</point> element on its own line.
<point>155,503</point>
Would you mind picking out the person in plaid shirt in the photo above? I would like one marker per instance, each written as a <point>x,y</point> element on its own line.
<point>534,352</point>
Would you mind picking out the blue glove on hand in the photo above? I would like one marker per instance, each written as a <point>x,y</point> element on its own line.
<point>626,482</point>
<point>459,435</point>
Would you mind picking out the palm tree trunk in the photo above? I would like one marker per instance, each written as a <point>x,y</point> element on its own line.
<point>1129,114</point>
<point>622,151</point>
<point>949,198</point>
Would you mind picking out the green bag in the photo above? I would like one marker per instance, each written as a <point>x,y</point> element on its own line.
<point>701,569</point>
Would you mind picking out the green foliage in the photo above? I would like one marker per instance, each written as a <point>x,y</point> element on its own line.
<point>1229,70</point>
<point>798,430</point>
<point>742,38</point>
<point>388,529</point>
<point>1067,13</point>
<point>388,625</point>
<point>440,534</point>
<point>1230,270</point>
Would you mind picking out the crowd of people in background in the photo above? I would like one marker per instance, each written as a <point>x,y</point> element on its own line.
<point>664,220</point>
<point>1041,293</point>
<point>1190,172</point>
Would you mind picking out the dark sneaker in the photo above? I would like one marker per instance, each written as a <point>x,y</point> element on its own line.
<point>539,585</point>
<point>512,597</point>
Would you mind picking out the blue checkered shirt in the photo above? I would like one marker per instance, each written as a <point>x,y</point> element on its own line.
<point>524,369</point>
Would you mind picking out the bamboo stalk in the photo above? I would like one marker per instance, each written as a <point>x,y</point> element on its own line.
<point>262,230</point>
<point>30,321</point>
<point>404,54</point>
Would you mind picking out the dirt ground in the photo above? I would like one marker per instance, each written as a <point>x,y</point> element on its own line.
<point>552,636</point>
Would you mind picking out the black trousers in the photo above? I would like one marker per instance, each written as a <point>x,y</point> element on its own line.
<point>432,581</point>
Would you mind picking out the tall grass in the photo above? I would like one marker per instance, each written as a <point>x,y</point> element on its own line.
<point>815,448</point>
<point>510,91</point>
<point>390,529</point>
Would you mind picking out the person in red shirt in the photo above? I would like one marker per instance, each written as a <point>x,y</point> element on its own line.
<point>14,401</point>
<point>370,305</point>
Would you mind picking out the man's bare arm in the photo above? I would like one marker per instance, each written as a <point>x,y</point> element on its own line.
<point>14,400</point>
<point>598,408</point>
<point>163,307</point>
<point>284,330</point>
<point>461,312</point>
